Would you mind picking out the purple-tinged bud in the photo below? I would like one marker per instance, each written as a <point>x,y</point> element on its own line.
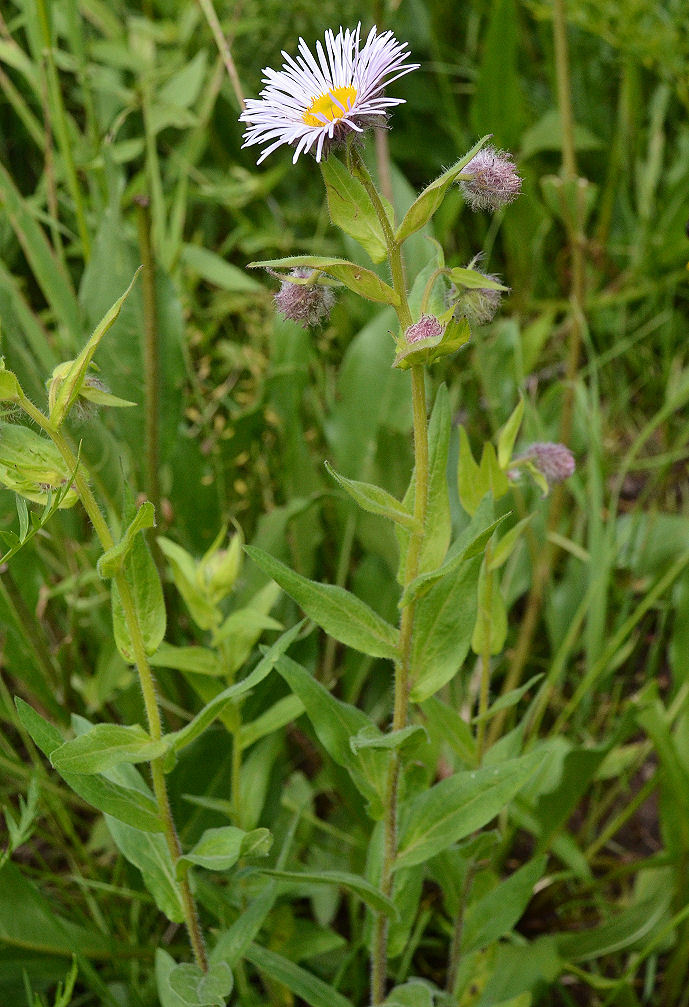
<point>306,304</point>
<point>554,461</point>
<point>494,180</point>
<point>427,327</point>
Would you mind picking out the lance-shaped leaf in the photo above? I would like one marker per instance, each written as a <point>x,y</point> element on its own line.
<point>462,276</point>
<point>458,805</point>
<point>215,707</point>
<point>375,500</point>
<point>305,985</point>
<point>132,806</point>
<point>359,279</point>
<point>221,848</point>
<point>352,882</point>
<point>336,723</point>
<point>351,208</point>
<point>111,562</point>
<point>341,614</point>
<point>508,435</point>
<point>141,575</point>
<point>444,622</point>
<point>105,746</point>
<point>470,544</point>
<point>423,208</point>
<point>69,387</point>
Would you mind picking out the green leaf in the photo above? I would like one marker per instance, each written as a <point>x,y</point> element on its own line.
<point>219,849</point>
<point>71,384</point>
<point>471,279</point>
<point>341,614</point>
<point>216,270</point>
<point>112,561</point>
<point>32,466</point>
<point>335,723</point>
<point>415,993</point>
<point>359,279</point>
<point>490,630</point>
<point>184,573</point>
<point>312,990</point>
<point>351,882</point>
<point>448,724</point>
<point>193,660</point>
<point>370,737</point>
<point>508,435</point>
<point>49,275</point>
<point>444,622</point>
<point>469,483</point>
<point>29,920</point>
<point>502,551</point>
<point>105,746</point>
<point>351,208</point>
<point>195,988</point>
<point>215,707</point>
<point>510,698</point>
<point>9,386</point>
<point>150,853</point>
<point>146,591</point>
<point>457,806</point>
<point>623,930</point>
<point>491,475</point>
<point>126,804</point>
<point>423,208</point>
<point>496,913</point>
<point>470,544</point>
<point>375,500</point>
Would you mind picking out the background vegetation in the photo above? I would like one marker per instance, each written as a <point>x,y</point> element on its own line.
<point>119,144</point>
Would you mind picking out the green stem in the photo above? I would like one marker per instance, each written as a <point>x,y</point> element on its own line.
<point>486,613</point>
<point>379,967</point>
<point>145,673</point>
<point>151,354</point>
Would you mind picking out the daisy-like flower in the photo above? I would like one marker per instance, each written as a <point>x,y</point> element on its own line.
<point>313,103</point>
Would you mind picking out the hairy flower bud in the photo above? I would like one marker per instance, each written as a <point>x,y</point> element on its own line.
<point>306,304</point>
<point>494,181</point>
<point>554,461</point>
<point>427,327</point>
<point>478,305</point>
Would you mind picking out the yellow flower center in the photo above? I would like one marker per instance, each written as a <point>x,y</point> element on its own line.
<point>329,105</point>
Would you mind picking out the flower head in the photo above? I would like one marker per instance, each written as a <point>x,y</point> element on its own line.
<point>554,461</point>
<point>494,180</point>
<point>427,327</point>
<point>306,304</point>
<point>313,104</point>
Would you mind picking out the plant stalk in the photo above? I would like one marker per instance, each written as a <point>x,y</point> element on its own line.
<point>379,967</point>
<point>145,673</point>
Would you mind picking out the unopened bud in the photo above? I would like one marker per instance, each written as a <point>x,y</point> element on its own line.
<point>219,569</point>
<point>494,181</point>
<point>554,461</point>
<point>478,305</point>
<point>306,304</point>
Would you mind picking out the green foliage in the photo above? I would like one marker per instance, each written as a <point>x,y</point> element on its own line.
<point>542,834</point>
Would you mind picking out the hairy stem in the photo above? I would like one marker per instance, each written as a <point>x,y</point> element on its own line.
<point>146,679</point>
<point>151,353</point>
<point>379,965</point>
